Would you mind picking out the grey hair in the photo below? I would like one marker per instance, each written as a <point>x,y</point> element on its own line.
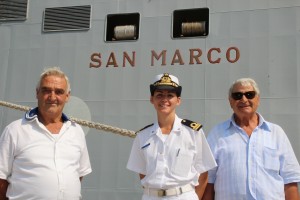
<point>55,71</point>
<point>244,82</point>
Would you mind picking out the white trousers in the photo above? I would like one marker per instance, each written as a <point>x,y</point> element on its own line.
<point>185,196</point>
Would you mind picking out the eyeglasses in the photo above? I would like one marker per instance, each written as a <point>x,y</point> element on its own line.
<point>239,95</point>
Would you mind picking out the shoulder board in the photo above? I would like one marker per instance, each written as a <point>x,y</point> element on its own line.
<point>144,128</point>
<point>193,125</point>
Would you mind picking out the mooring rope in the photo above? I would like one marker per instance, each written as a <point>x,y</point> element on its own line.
<point>90,124</point>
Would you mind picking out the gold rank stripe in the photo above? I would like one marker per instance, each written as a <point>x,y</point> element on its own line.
<point>194,125</point>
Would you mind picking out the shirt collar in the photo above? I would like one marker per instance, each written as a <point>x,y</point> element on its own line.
<point>263,124</point>
<point>177,126</point>
<point>33,113</point>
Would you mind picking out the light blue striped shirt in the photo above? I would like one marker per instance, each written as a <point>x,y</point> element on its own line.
<point>251,168</point>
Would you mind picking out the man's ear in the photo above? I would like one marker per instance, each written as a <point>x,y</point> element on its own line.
<point>36,93</point>
<point>230,102</point>
<point>68,96</point>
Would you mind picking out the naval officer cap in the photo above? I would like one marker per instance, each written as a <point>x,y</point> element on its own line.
<point>166,82</point>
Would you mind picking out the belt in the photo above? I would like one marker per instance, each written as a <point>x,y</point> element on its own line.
<point>168,192</point>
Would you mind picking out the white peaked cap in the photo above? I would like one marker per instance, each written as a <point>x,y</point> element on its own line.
<point>173,78</point>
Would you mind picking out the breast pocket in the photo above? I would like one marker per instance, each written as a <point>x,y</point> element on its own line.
<point>271,159</point>
<point>183,162</point>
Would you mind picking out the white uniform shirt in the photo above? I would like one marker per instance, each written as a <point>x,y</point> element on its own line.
<point>177,161</point>
<point>39,166</point>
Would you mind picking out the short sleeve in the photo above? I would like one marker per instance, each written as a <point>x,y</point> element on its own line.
<point>6,153</point>
<point>85,165</point>
<point>136,161</point>
<point>205,159</point>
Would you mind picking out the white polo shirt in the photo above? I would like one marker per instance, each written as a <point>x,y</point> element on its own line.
<point>176,161</point>
<point>39,166</point>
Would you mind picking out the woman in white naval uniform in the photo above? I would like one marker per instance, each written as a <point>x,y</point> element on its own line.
<point>171,155</point>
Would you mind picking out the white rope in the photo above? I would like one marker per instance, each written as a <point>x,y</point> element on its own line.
<point>90,124</point>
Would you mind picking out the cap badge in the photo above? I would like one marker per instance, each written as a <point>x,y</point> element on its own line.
<point>165,80</point>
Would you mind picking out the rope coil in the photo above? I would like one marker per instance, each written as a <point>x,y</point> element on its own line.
<point>90,124</point>
<point>125,32</point>
<point>193,28</point>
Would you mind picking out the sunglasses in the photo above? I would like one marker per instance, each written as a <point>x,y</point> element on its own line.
<point>239,95</point>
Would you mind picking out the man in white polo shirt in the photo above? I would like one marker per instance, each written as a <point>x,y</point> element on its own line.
<point>43,156</point>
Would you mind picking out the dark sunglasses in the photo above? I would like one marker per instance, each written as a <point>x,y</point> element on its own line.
<point>239,95</point>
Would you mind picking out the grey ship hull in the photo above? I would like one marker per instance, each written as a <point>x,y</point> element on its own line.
<point>108,88</point>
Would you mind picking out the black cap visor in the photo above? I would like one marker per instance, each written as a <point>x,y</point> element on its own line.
<point>177,90</point>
